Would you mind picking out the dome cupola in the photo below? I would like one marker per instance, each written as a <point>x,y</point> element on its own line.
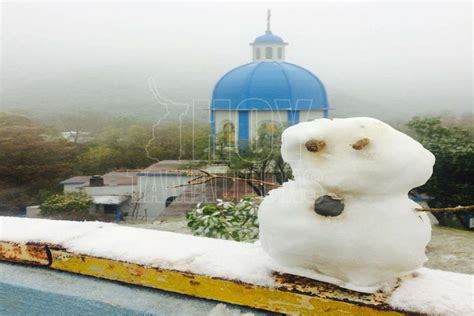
<point>269,86</point>
<point>268,47</point>
<point>264,96</point>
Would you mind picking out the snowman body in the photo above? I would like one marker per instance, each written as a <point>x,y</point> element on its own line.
<point>378,235</point>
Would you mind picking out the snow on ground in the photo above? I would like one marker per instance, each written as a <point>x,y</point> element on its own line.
<point>432,291</point>
<point>451,249</point>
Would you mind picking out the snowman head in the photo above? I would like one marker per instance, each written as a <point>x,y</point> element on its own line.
<point>356,156</point>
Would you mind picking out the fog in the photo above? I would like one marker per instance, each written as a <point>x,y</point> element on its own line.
<point>387,60</point>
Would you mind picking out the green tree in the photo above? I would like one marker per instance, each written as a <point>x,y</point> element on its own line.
<point>174,140</point>
<point>31,155</point>
<point>68,205</point>
<point>139,145</point>
<point>452,181</point>
<point>260,159</point>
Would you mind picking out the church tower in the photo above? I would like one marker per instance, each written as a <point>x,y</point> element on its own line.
<point>268,47</point>
<point>267,93</point>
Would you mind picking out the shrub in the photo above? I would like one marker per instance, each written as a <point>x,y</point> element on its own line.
<point>73,204</point>
<point>451,183</point>
<point>226,220</point>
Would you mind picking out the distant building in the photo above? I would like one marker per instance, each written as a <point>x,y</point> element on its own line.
<point>77,136</point>
<point>156,191</point>
<point>265,93</point>
<point>111,192</point>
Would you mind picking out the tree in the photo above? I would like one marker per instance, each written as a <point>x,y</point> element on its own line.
<point>135,146</point>
<point>185,140</point>
<point>258,160</point>
<point>31,155</point>
<point>452,181</point>
<point>70,205</point>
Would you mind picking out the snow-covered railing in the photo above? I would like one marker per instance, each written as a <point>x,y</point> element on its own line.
<point>227,271</point>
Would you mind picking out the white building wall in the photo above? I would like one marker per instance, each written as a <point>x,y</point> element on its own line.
<point>310,115</point>
<point>153,190</point>
<point>128,190</point>
<point>73,187</point>
<point>262,48</point>
<point>110,190</point>
<point>33,211</point>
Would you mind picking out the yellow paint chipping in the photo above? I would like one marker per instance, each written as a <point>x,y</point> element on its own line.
<point>34,254</point>
<point>294,295</point>
<point>283,299</point>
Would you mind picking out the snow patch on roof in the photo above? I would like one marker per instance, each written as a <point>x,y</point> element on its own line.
<point>110,199</point>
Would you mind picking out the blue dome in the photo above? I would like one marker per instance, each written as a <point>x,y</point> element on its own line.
<point>269,86</point>
<point>268,37</point>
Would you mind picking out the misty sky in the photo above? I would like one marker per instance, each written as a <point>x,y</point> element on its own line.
<point>387,60</point>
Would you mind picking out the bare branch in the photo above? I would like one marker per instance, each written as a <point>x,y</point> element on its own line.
<point>446,209</point>
<point>207,177</point>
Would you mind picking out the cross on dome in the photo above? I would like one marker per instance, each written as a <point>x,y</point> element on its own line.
<point>269,15</point>
<point>268,47</point>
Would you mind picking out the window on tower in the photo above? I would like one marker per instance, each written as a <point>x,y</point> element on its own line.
<point>257,53</point>
<point>280,53</point>
<point>268,53</point>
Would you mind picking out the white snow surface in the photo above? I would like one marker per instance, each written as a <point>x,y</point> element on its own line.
<point>219,258</point>
<point>379,236</point>
<point>436,292</point>
<point>431,291</point>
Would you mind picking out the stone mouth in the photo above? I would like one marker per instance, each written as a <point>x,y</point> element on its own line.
<point>329,205</point>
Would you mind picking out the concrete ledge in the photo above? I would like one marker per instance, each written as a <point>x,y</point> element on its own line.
<point>222,270</point>
<point>295,295</point>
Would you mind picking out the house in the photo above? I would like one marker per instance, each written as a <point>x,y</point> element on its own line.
<point>158,185</point>
<point>112,193</point>
<point>78,137</point>
<point>158,190</point>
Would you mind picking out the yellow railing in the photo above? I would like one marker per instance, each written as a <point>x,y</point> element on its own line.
<point>292,295</point>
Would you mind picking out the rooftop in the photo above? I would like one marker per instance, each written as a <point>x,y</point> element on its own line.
<point>269,38</point>
<point>167,165</point>
<point>128,177</point>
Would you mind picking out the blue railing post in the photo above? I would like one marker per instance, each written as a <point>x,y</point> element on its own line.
<point>118,214</point>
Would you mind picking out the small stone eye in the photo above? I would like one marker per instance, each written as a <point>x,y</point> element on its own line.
<point>328,205</point>
<point>315,145</point>
<point>361,143</point>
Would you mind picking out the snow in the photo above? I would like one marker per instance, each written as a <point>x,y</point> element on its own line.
<point>219,258</point>
<point>223,310</point>
<point>436,292</point>
<point>391,158</point>
<point>379,236</point>
<point>432,291</point>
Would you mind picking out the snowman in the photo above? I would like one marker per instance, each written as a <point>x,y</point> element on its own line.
<point>347,217</point>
